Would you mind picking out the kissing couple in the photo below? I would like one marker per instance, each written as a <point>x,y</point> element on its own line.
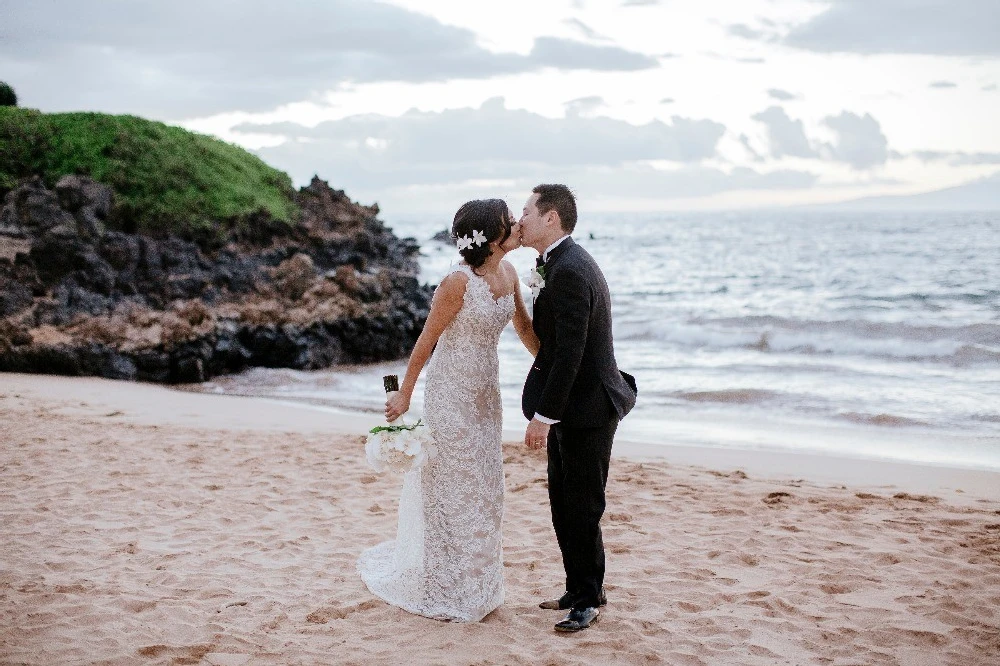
<point>446,562</point>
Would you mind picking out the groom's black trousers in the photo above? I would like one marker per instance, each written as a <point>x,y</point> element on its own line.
<point>578,473</point>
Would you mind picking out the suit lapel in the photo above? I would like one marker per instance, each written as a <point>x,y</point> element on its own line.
<point>558,251</point>
<point>541,310</point>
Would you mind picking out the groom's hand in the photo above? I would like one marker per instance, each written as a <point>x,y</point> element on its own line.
<point>537,434</point>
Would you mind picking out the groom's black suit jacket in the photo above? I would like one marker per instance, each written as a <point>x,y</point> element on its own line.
<point>575,377</point>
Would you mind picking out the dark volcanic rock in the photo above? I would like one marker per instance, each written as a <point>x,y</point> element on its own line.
<point>76,299</point>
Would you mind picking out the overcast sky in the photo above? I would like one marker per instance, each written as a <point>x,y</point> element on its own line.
<point>637,104</point>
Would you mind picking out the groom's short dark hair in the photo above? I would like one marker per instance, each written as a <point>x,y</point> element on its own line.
<point>560,199</point>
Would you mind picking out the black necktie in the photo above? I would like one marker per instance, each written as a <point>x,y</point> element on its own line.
<point>539,262</point>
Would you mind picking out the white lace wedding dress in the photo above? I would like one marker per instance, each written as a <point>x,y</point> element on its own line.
<point>446,562</point>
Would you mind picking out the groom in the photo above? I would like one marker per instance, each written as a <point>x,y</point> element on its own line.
<point>573,397</point>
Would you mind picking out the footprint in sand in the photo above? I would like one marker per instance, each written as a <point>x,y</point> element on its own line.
<point>955,522</point>
<point>71,589</point>
<point>130,548</point>
<point>231,604</point>
<point>926,499</point>
<point>776,497</point>
<point>887,558</point>
<point>831,588</point>
<point>182,654</point>
<point>324,615</point>
<point>136,606</point>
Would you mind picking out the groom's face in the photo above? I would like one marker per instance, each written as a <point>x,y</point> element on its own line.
<point>533,225</point>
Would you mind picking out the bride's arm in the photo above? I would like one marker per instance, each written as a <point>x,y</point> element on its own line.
<point>445,305</point>
<point>522,321</point>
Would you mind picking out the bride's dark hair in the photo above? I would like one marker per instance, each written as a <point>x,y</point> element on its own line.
<point>491,218</point>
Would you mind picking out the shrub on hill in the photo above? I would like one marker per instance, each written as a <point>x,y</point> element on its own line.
<point>7,95</point>
<point>167,180</point>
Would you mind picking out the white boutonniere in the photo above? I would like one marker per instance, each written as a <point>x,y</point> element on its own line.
<point>535,279</point>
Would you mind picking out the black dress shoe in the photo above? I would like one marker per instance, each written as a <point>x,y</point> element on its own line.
<point>566,601</point>
<point>578,619</point>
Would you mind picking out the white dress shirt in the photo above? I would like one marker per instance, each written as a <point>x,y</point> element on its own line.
<point>545,255</point>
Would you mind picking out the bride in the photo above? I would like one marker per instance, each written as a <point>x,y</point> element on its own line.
<point>446,562</point>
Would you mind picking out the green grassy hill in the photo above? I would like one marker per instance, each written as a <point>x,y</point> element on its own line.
<point>167,180</point>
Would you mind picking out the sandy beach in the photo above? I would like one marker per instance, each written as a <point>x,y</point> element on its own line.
<point>143,525</point>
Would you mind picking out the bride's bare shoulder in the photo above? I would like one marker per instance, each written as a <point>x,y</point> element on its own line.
<point>452,285</point>
<point>508,270</point>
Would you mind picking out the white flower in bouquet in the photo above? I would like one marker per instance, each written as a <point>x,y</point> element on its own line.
<point>398,448</point>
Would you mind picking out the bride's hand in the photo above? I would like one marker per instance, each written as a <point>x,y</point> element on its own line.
<point>396,404</point>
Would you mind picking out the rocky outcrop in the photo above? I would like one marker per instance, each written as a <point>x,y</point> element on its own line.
<point>78,299</point>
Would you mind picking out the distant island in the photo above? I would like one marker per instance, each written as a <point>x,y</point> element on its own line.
<point>131,249</point>
<point>979,195</point>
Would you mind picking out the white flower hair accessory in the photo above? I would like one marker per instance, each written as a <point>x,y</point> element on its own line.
<point>464,242</point>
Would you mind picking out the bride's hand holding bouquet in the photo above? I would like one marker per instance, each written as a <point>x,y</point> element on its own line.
<point>400,447</point>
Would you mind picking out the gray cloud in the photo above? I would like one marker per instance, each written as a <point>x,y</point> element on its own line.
<point>498,151</point>
<point>186,58</point>
<point>580,105</point>
<point>785,136</point>
<point>943,84</point>
<point>566,54</point>
<point>696,181</point>
<point>444,187</point>
<point>746,32</point>
<point>783,95</point>
<point>942,27</point>
<point>492,133</point>
<point>754,155</point>
<point>860,141</point>
<point>957,158</point>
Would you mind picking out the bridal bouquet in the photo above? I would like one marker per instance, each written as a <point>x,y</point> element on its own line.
<point>398,448</point>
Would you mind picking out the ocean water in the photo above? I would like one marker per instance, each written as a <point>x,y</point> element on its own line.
<point>866,335</point>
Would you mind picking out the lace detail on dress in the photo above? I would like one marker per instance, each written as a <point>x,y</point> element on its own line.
<point>447,559</point>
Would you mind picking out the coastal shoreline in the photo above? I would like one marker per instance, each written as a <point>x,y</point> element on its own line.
<point>151,404</point>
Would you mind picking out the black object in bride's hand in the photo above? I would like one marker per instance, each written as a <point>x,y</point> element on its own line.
<point>391,383</point>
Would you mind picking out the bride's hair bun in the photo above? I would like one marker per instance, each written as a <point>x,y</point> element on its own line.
<point>491,218</point>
